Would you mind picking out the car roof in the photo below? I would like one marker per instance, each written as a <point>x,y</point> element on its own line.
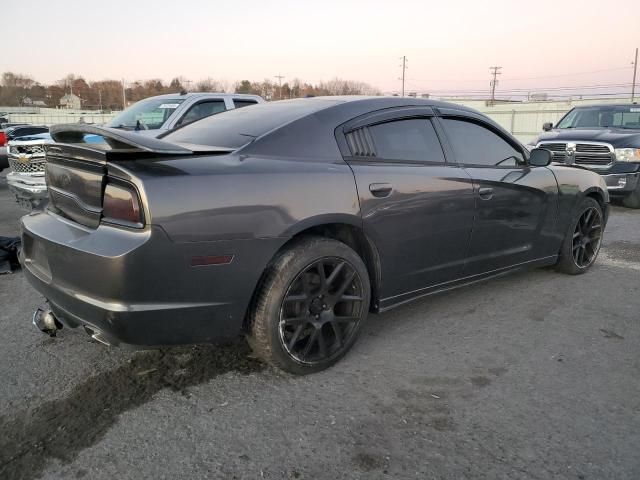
<point>235,128</point>
<point>203,94</point>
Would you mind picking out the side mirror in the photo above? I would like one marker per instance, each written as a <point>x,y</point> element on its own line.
<point>547,126</point>
<point>540,157</point>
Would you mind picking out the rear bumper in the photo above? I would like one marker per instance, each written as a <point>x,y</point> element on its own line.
<point>138,287</point>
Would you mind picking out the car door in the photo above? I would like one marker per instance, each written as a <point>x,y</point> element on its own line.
<point>417,208</point>
<point>516,204</point>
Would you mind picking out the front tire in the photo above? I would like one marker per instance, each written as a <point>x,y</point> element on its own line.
<point>583,239</point>
<point>310,306</point>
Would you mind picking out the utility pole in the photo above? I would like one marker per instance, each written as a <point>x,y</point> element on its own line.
<point>404,68</point>
<point>100,99</point>
<point>279,77</point>
<point>635,71</point>
<point>124,96</point>
<point>495,71</point>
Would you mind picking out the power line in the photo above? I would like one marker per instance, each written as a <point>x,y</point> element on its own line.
<point>508,90</point>
<point>528,78</point>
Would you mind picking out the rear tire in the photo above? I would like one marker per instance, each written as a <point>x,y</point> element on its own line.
<point>583,238</point>
<point>310,306</point>
<point>633,199</point>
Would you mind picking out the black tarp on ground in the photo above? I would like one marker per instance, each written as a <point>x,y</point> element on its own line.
<point>9,247</point>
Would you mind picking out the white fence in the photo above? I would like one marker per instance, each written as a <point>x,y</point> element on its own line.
<point>62,117</point>
<point>525,124</point>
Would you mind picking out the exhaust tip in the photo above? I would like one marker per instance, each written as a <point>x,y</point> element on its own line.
<point>45,321</point>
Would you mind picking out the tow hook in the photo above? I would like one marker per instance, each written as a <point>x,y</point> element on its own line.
<point>45,320</point>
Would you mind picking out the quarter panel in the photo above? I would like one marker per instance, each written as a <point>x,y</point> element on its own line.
<point>242,197</point>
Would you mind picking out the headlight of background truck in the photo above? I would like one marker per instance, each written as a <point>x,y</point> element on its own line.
<point>627,154</point>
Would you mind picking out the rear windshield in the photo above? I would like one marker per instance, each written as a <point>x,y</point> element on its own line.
<point>235,128</point>
<point>602,117</point>
<point>146,114</point>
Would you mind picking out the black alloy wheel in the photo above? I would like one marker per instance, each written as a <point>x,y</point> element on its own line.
<point>586,237</point>
<point>311,305</point>
<point>583,239</point>
<point>321,310</point>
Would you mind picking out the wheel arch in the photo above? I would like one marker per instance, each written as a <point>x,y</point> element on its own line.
<point>346,232</point>
<point>600,196</point>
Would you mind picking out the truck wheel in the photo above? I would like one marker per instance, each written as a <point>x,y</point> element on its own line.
<point>633,199</point>
<point>310,306</point>
<point>583,239</point>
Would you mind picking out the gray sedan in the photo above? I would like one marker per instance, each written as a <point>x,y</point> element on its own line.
<point>290,221</point>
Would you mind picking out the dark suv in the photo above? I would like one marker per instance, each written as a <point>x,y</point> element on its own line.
<point>602,138</point>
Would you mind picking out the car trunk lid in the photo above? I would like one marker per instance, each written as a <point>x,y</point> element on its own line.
<point>76,172</point>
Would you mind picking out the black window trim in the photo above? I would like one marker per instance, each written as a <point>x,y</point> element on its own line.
<point>388,115</point>
<point>195,104</point>
<point>246,100</point>
<point>477,120</point>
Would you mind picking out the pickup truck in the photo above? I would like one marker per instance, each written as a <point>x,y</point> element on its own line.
<point>152,116</point>
<point>601,138</point>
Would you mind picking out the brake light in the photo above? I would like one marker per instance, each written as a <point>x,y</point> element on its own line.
<point>122,205</point>
<point>3,139</point>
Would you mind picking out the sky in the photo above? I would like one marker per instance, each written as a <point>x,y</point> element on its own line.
<point>450,45</point>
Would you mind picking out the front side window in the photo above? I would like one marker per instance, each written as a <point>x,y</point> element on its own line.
<point>201,110</point>
<point>474,144</point>
<point>146,114</point>
<point>413,140</point>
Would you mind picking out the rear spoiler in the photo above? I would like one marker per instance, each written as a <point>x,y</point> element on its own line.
<point>122,140</point>
<point>116,139</point>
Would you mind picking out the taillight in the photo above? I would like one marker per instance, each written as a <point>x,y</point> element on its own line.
<point>3,139</point>
<point>122,205</point>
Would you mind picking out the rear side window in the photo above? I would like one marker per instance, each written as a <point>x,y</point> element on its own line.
<point>201,110</point>
<point>474,144</point>
<point>243,103</point>
<point>412,140</point>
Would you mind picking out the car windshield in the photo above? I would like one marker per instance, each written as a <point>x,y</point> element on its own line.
<point>602,117</point>
<point>147,114</point>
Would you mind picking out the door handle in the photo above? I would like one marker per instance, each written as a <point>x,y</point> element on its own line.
<point>380,190</point>
<point>485,193</point>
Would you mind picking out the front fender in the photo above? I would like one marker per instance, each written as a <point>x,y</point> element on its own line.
<point>573,185</point>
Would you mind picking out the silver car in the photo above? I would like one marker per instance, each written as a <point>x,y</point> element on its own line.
<point>152,116</point>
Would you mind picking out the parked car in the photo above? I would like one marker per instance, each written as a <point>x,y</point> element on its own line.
<point>26,158</point>
<point>152,116</point>
<point>602,138</point>
<point>290,221</point>
<point>13,132</point>
<point>156,115</point>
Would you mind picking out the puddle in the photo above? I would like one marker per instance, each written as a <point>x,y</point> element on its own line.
<point>63,427</point>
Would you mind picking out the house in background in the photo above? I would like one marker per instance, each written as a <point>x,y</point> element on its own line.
<point>70,101</point>
<point>27,101</point>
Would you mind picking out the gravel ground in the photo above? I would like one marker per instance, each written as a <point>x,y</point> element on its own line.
<point>532,376</point>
